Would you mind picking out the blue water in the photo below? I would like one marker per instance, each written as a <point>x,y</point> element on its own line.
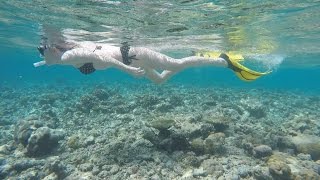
<point>298,71</point>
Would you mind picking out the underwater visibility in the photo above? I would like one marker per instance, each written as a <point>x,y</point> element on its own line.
<point>157,90</point>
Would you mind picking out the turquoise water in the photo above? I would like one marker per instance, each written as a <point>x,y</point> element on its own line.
<point>284,35</point>
<point>204,123</point>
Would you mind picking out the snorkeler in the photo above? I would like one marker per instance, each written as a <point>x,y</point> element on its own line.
<point>138,61</point>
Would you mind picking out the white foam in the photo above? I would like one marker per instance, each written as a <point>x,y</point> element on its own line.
<point>269,61</point>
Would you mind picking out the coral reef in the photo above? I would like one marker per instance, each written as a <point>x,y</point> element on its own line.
<point>307,144</point>
<point>37,138</point>
<point>262,151</point>
<point>279,168</point>
<point>142,131</point>
<point>42,141</point>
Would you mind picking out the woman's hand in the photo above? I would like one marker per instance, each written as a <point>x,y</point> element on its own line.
<point>138,72</point>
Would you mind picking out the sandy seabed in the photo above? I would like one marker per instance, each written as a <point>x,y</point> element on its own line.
<point>157,132</point>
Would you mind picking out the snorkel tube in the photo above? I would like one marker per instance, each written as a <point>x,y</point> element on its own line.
<point>41,50</point>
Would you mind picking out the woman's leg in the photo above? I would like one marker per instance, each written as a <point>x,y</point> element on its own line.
<point>158,78</point>
<point>195,61</point>
<point>156,60</point>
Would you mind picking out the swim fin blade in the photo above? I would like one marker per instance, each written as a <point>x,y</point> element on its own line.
<point>241,71</point>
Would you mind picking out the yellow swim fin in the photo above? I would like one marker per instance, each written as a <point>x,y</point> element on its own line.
<point>241,71</point>
<point>233,60</point>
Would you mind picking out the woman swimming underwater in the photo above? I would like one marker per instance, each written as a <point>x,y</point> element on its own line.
<point>138,61</point>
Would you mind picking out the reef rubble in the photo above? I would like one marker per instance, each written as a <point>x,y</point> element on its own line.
<point>157,132</point>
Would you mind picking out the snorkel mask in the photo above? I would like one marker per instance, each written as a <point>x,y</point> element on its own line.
<point>41,49</point>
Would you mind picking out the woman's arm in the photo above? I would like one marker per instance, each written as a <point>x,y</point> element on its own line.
<point>119,65</point>
<point>79,56</point>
